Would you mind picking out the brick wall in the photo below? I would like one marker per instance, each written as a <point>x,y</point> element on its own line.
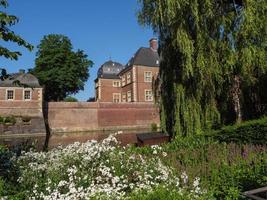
<point>72,116</point>
<point>19,94</point>
<point>87,116</point>
<point>21,108</point>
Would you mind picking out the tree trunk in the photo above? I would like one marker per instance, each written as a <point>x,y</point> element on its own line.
<point>236,93</point>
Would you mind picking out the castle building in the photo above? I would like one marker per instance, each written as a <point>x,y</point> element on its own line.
<point>132,82</point>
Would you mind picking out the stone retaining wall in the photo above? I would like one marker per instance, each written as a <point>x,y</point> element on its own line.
<point>88,116</point>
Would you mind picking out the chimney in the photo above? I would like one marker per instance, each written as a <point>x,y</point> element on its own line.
<point>153,43</point>
<point>22,71</point>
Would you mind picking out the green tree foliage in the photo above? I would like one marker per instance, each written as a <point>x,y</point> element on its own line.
<point>6,21</point>
<point>70,99</point>
<point>213,67</point>
<point>59,69</point>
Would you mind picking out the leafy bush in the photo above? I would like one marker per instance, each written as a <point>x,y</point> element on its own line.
<point>70,99</point>
<point>98,170</point>
<point>5,162</point>
<point>2,186</point>
<point>154,127</point>
<point>9,120</point>
<point>254,131</point>
<point>163,193</point>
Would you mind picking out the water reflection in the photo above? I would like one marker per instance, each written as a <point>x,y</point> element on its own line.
<point>125,137</point>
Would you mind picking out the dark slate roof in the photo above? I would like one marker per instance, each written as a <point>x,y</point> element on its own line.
<point>109,70</point>
<point>23,78</point>
<point>145,57</point>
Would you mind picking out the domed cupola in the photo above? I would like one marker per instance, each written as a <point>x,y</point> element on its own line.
<point>109,70</point>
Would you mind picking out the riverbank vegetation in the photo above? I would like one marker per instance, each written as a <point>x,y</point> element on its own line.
<point>199,167</point>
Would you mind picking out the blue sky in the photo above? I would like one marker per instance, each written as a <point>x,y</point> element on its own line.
<point>102,28</point>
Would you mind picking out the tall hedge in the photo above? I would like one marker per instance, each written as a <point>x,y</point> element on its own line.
<point>254,131</point>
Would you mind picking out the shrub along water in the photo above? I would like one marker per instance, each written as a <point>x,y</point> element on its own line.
<point>254,131</point>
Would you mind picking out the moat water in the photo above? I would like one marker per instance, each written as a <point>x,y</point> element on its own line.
<point>64,138</point>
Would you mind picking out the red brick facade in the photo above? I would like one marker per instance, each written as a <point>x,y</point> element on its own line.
<point>139,84</point>
<point>107,89</point>
<point>21,105</point>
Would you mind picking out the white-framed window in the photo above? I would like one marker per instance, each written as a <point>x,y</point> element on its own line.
<point>116,84</point>
<point>129,96</point>
<point>27,95</point>
<point>128,77</point>
<point>116,97</point>
<point>123,81</point>
<point>148,95</point>
<point>123,97</point>
<point>148,76</point>
<point>10,95</point>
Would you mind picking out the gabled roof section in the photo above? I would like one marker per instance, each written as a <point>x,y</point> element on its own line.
<point>145,57</point>
<point>15,79</point>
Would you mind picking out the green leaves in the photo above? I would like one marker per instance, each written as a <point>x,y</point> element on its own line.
<point>204,46</point>
<point>59,69</point>
<point>9,36</point>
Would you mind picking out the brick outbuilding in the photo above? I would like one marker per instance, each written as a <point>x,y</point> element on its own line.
<point>21,95</point>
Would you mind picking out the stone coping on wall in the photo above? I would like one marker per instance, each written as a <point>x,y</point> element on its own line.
<point>82,105</point>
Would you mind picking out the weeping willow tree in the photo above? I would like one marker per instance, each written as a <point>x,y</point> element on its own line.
<point>213,66</point>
